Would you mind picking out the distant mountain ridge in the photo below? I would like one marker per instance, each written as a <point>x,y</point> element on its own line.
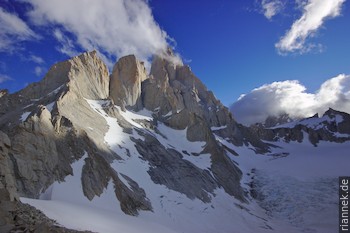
<point>332,126</point>
<point>272,121</point>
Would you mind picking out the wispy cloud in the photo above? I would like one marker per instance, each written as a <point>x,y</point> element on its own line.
<point>12,31</point>
<point>270,8</point>
<point>115,28</point>
<point>67,47</point>
<point>4,78</point>
<point>36,59</point>
<point>292,98</point>
<point>315,13</point>
<point>38,70</point>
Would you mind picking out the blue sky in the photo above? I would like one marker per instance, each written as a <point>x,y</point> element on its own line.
<point>230,45</point>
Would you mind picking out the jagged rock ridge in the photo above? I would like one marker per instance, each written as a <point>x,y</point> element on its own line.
<point>51,124</point>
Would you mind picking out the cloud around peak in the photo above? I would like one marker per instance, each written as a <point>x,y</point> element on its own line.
<point>292,98</point>
<point>114,28</point>
<point>315,13</point>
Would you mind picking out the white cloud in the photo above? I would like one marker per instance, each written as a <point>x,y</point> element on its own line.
<point>36,59</point>
<point>315,13</point>
<point>271,8</point>
<point>291,97</point>
<point>4,78</point>
<point>38,71</point>
<point>115,28</point>
<point>13,30</point>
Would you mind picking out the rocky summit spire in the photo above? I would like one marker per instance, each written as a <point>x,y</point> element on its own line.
<point>125,84</point>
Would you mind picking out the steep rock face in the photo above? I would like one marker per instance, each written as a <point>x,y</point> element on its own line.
<point>181,100</point>
<point>91,82</point>
<point>7,176</point>
<point>38,127</point>
<point>176,93</point>
<point>125,84</point>
<point>85,75</point>
<point>173,88</point>
<point>51,125</point>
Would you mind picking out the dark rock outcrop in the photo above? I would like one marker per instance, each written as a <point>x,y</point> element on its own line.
<point>169,169</point>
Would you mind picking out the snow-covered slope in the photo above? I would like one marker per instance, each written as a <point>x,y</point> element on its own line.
<point>293,189</point>
<point>172,211</point>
